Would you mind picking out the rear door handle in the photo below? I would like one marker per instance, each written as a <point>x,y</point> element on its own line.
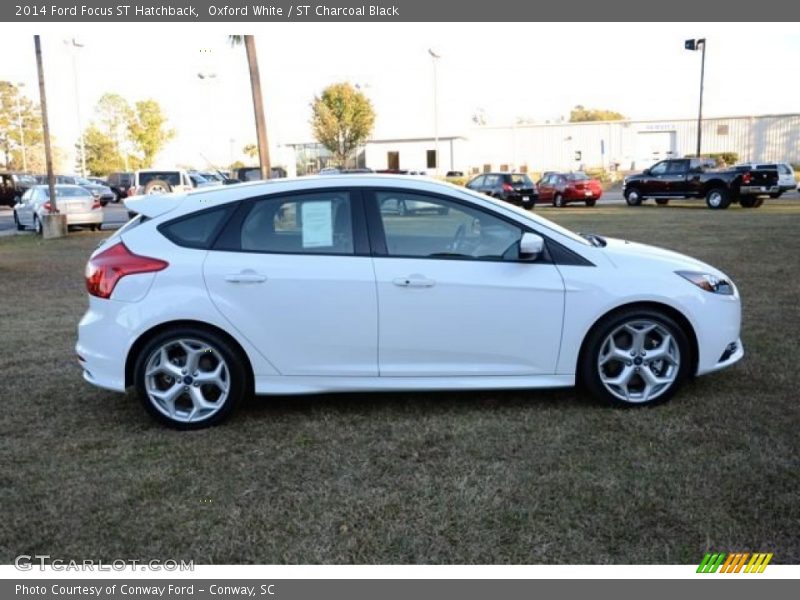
<point>246,277</point>
<point>414,281</point>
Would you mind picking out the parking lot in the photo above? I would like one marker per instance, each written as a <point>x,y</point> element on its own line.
<point>478,477</point>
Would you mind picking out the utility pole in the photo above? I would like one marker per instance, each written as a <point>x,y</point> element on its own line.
<point>435,58</point>
<point>58,227</point>
<point>695,44</point>
<point>75,45</point>
<point>258,106</point>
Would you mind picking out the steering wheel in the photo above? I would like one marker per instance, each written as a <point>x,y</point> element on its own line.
<point>458,238</point>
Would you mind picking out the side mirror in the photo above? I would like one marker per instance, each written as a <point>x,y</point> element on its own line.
<point>531,246</point>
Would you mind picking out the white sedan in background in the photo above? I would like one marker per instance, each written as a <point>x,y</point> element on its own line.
<point>311,285</point>
<point>76,202</point>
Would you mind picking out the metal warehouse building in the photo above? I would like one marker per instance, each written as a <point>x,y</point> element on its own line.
<point>612,145</point>
<point>629,145</point>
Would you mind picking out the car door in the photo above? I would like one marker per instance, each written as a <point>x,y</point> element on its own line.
<point>23,208</point>
<point>546,188</point>
<point>675,181</point>
<point>653,183</point>
<point>293,275</point>
<point>454,299</point>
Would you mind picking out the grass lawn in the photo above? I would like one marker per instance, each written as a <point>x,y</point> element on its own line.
<point>486,477</point>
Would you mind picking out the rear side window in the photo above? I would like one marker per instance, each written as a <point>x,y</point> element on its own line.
<point>197,230</point>
<point>319,223</point>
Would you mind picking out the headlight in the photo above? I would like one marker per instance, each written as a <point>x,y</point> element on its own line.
<point>708,282</point>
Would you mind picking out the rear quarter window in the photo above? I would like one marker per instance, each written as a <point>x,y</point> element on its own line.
<point>197,230</point>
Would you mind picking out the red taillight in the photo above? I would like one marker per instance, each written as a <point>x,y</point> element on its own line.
<point>746,178</point>
<point>507,187</point>
<point>96,204</point>
<point>107,268</point>
<point>47,206</point>
<point>131,191</point>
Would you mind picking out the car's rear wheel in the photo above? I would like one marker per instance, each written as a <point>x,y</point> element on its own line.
<point>558,201</point>
<point>189,378</point>
<point>20,226</point>
<point>37,225</point>
<point>718,198</point>
<point>633,197</point>
<point>662,201</point>
<point>637,357</point>
<point>591,202</point>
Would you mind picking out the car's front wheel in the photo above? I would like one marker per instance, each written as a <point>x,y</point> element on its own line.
<point>636,357</point>
<point>633,197</point>
<point>189,378</point>
<point>750,201</point>
<point>662,201</point>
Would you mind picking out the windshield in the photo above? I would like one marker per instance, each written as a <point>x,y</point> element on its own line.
<point>171,177</point>
<point>29,179</point>
<point>521,180</point>
<point>579,176</point>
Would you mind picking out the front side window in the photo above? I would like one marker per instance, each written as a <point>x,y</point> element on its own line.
<point>659,168</point>
<point>319,223</point>
<point>678,167</point>
<point>432,227</point>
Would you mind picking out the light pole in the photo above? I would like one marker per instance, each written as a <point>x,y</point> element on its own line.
<point>435,59</point>
<point>75,45</point>
<point>21,130</point>
<point>695,44</point>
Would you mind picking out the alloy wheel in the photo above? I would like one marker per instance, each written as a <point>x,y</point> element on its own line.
<point>639,361</point>
<point>187,380</point>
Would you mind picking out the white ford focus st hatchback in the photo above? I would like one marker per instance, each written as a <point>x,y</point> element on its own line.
<point>322,285</point>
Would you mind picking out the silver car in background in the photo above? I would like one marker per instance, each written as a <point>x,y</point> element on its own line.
<point>76,202</point>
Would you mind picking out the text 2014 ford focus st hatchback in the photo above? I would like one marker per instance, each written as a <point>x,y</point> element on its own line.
<point>322,285</point>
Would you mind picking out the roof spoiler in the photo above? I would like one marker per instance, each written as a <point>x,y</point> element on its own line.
<point>154,205</point>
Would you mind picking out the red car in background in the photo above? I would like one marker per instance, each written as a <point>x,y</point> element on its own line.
<point>562,188</point>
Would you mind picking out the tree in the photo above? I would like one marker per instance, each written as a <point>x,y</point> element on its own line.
<point>250,150</point>
<point>249,42</point>
<point>102,156</point>
<point>13,105</point>
<point>342,119</point>
<point>148,132</point>
<point>115,115</point>
<point>580,114</point>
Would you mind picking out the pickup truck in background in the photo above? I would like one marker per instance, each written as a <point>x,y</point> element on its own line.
<point>692,178</point>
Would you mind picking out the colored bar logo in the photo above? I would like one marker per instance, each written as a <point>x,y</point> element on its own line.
<point>734,562</point>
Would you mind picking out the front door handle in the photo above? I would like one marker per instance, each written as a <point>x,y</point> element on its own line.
<point>245,277</point>
<point>414,281</point>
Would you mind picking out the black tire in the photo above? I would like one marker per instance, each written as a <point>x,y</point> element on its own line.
<point>558,201</point>
<point>776,196</point>
<point>37,225</point>
<point>718,199</point>
<point>98,227</point>
<point>237,382</point>
<point>20,226</point>
<point>633,197</point>
<point>157,186</point>
<point>589,369</point>
<point>591,202</point>
<point>662,201</point>
<point>750,202</point>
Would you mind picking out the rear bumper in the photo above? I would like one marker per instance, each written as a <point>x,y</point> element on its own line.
<point>532,198</point>
<point>94,217</point>
<point>759,190</point>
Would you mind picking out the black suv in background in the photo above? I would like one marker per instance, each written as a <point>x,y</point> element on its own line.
<point>120,183</point>
<point>516,188</point>
<point>12,186</point>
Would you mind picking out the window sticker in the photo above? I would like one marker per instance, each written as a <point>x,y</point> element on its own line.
<point>317,224</point>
